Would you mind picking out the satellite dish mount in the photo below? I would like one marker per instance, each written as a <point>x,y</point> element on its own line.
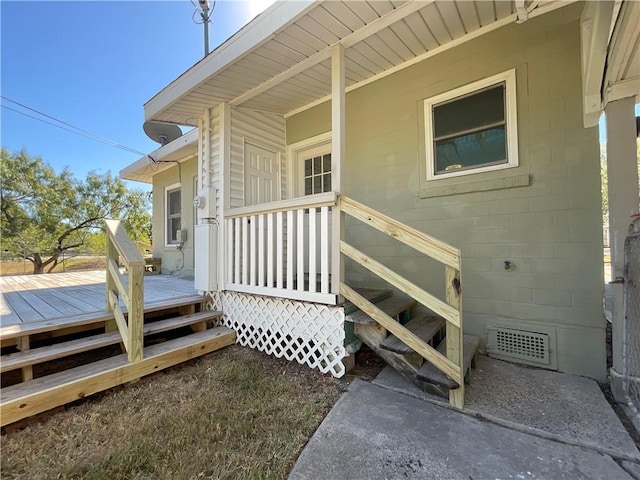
<point>162,133</point>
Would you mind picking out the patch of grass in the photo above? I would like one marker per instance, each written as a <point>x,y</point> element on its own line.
<point>77,264</point>
<point>233,414</point>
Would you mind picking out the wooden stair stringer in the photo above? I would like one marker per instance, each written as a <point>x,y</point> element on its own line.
<point>36,396</point>
<point>372,336</point>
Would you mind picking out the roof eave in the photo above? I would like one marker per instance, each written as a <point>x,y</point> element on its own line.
<point>254,33</point>
<point>178,151</point>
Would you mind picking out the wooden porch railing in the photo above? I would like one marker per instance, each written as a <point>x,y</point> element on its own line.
<point>119,245</point>
<point>282,248</point>
<point>451,364</point>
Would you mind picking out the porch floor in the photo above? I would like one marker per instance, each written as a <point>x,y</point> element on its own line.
<point>34,298</point>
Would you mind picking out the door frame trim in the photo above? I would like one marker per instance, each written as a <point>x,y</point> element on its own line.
<point>292,164</point>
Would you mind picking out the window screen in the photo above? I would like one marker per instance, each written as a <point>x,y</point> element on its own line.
<point>470,131</point>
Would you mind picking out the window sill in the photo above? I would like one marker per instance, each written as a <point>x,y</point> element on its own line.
<point>523,180</point>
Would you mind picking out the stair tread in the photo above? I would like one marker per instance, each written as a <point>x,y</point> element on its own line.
<point>429,373</point>
<point>371,294</point>
<point>15,331</point>
<point>59,379</point>
<point>51,352</point>
<point>391,306</point>
<point>424,327</point>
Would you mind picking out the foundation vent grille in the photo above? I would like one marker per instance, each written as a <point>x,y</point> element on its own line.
<point>521,345</point>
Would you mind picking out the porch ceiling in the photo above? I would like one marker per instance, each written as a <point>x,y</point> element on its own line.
<point>281,64</point>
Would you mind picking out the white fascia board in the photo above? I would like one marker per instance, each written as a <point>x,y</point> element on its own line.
<point>180,150</point>
<point>252,35</point>
<point>595,25</point>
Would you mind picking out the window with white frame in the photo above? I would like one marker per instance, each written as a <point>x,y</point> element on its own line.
<point>173,213</point>
<point>473,128</point>
<point>317,174</point>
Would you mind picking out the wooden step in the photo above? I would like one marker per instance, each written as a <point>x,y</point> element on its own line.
<point>371,294</point>
<point>424,327</point>
<point>430,374</point>
<point>31,328</point>
<point>391,306</point>
<point>16,360</point>
<point>30,398</point>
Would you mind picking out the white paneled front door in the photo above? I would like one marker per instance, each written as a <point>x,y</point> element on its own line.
<point>261,175</point>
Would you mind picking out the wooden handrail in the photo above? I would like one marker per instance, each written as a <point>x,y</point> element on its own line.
<point>431,302</point>
<point>451,310</point>
<point>120,247</point>
<point>128,251</point>
<point>420,241</point>
<point>309,201</point>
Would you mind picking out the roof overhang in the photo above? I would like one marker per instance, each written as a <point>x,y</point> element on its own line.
<point>281,61</point>
<point>180,150</point>
<point>610,33</point>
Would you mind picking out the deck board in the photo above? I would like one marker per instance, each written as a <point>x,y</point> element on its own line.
<point>30,298</point>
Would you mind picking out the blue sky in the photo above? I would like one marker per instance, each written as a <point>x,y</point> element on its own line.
<point>94,64</point>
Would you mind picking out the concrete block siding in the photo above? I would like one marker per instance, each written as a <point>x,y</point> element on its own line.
<point>548,223</point>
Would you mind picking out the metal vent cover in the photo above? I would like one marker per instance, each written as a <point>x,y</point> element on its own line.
<point>524,346</point>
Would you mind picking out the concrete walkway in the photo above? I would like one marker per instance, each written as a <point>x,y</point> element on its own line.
<point>376,432</point>
<point>554,405</point>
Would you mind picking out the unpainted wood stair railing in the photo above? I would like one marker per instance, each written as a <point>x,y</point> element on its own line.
<point>119,245</point>
<point>451,364</point>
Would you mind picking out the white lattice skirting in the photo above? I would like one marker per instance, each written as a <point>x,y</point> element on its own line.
<point>309,333</point>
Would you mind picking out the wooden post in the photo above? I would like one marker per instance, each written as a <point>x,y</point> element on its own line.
<point>136,313</point>
<point>23,346</point>
<point>454,333</point>
<point>337,160</point>
<point>112,254</point>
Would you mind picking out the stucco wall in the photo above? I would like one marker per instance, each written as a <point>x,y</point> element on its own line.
<point>550,228</point>
<point>172,259</point>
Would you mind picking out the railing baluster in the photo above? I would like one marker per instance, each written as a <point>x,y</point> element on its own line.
<point>301,249</point>
<point>290,249</point>
<point>324,249</point>
<point>270,251</point>
<point>254,264</point>
<point>236,269</point>
<point>279,250</point>
<point>312,250</point>
<point>261,259</point>
<point>245,251</point>
<point>230,250</point>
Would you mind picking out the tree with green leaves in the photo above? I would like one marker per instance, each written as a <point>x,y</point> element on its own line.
<point>44,213</point>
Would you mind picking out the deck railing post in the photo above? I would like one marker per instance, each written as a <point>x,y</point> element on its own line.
<point>112,254</point>
<point>454,336</point>
<point>136,313</point>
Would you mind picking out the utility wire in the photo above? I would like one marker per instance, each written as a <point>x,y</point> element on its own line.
<point>69,127</point>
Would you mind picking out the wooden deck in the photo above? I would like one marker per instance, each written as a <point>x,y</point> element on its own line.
<point>34,298</point>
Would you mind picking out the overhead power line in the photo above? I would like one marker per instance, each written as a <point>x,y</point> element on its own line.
<point>68,126</point>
